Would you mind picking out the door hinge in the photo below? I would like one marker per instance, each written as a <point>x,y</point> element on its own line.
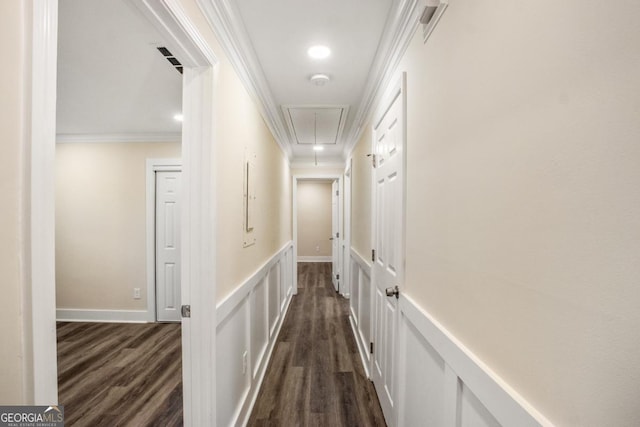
<point>337,277</point>
<point>338,235</point>
<point>373,159</point>
<point>337,192</point>
<point>371,347</point>
<point>185,310</point>
<point>373,255</point>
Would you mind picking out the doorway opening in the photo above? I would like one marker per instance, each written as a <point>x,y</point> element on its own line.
<point>318,224</point>
<point>199,68</point>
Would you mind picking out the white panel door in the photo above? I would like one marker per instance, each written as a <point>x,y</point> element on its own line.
<point>388,263</point>
<point>168,186</point>
<point>335,235</point>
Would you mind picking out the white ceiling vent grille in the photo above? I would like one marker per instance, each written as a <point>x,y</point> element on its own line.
<point>431,15</point>
<point>315,124</point>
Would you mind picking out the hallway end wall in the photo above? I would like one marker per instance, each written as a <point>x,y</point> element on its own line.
<point>314,219</point>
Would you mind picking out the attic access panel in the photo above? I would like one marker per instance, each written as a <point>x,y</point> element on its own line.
<point>311,124</point>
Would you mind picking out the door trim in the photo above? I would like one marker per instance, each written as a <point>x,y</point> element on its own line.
<point>198,222</point>
<point>294,191</point>
<point>153,166</point>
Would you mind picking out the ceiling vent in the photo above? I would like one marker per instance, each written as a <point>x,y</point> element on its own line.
<point>431,15</point>
<point>315,124</point>
<point>172,59</point>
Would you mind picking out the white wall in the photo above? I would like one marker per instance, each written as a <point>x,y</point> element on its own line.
<point>101,223</point>
<point>314,218</point>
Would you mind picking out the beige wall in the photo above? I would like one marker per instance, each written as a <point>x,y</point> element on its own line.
<point>12,151</point>
<point>523,210</point>
<point>101,223</point>
<point>314,218</point>
<point>239,129</point>
<point>361,168</point>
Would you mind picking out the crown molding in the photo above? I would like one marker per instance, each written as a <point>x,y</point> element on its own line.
<point>224,20</point>
<point>400,28</point>
<point>119,137</point>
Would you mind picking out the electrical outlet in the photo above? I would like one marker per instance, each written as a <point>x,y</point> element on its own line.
<point>136,293</point>
<point>317,248</point>
<point>244,363</point>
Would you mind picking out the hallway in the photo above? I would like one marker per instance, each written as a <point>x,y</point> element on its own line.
<point>315,376</point>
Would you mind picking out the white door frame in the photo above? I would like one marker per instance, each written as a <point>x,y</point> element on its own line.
<point>307,177</point>
<point>153,166</point>
<point>346,239</point>
<point>198,221</point>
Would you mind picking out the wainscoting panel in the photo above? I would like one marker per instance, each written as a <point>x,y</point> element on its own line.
<point>442,383</point>
<point>274,297</point>
<point>248,323</point>
<point>360,305</point>
<point>259,325</point>
<point>232,342</point>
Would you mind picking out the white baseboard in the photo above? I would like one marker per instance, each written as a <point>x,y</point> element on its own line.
<point>102,316</point>
<point>314,259</point>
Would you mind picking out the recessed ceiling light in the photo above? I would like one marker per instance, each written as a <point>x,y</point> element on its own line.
<point>178,117</point>
<point>319,79</point>
<point>319,52</point>
<point>318,148</point>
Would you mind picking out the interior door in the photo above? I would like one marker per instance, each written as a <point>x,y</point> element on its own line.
<point>168,186</point>
<point>388,267</point>
<point>335,235</point>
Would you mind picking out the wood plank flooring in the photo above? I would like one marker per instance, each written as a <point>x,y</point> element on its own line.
<point>315,377</point>
<point>119,374</point>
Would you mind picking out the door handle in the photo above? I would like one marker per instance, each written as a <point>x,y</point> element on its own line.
<point>393,291</point>
<point>330,238</point>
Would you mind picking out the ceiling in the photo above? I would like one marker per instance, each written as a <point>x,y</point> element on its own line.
<point>113,83</point>
<point>113,80</point>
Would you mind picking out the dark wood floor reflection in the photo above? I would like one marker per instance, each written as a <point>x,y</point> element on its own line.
<point>315,377</point>
<point>118,374</point>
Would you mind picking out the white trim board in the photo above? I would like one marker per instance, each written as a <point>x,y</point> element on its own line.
<point>314,259</point>
<point>102,316</point>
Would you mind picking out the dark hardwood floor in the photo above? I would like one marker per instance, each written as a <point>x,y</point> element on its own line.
<point>120,374</point>
<point>315,377</point>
